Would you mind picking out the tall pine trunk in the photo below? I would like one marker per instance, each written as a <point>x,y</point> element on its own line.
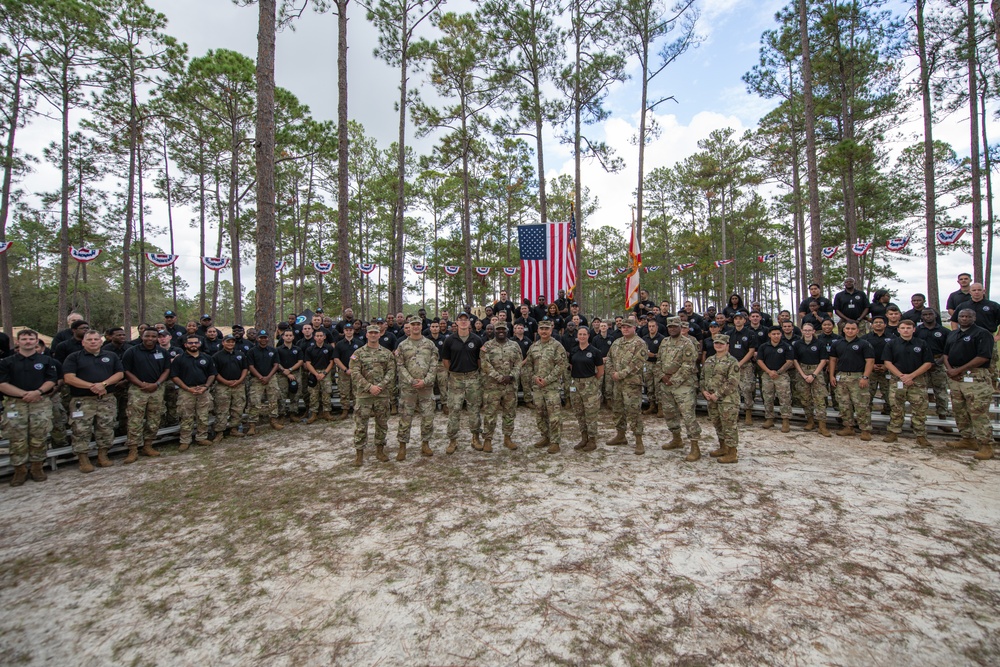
<point>264,313</point>
<point>343,222</point>
<point>812,168</point>
<point>930,198</point>
<point>977,197</point>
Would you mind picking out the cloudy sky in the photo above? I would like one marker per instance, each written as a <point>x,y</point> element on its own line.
<point>706,82</point>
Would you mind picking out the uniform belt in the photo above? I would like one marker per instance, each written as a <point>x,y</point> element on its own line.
<point>462,372</point>
<point>859,373</point>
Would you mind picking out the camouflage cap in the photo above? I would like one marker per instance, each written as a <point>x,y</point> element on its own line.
<point>374,328</point>
<point>414,320</point>
<point>720,338</point>
<point>673,321</point>
<point>546,324</point>
<point>630,321</point>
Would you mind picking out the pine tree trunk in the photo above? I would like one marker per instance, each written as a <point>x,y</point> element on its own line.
<point>264,313</point>
<point>343,222</point>
<point>930,198</point>
<point>812,168</point>
<point>977,197</point>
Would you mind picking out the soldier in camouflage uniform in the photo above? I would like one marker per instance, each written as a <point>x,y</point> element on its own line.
<point>25,378</point>
<point>774,358</point>
<point>909,360</point>
<point>194,374</point>
<point>416,366</point>
<point>170,391</point>
<point>624,363</point>
<point>460,354</point>
<point>811,359</point>
<point>264,391</point>
<point>677,377</point>
<point>851,362</point>
<point>88,374</point>
<point>373,371</point>
<point>500,366</point>
<point>720,385</point>
<point>547,363</point>
<point>586,372</point>
<point>147,368</point>
<point>968,355</point>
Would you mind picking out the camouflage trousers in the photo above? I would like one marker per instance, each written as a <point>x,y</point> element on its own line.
<point>548,412</point>
<point>230,402</point>
<point>27,427</point>
<point>916,394</point>
<point>780,387</point>
<point>441,384</point>
<point>585,398</point>
<point>464,389</point>
<point>280,383</point>
<point>878,382</point>
<point>812,395</point>
<point>170,403</point>
<point>60,416</point>
<point>120,392</point>
<point>266,396</point>
<point>649,383</point>
<point>499,399</point>
<point>366,408</point>
<point>412,401</point>
<point>321,394</point>
<point>527,390</point>
<point>970,399</point>
<point>724,415</point>
<point>194,411</point>
<point>144,413</point>
<point>748,385</point>
<point>678,404</point>
<point>93,416</point>
<point>937,378</point>
<point>854,402</point>
<point>345,389</point>
<point>627,406</point>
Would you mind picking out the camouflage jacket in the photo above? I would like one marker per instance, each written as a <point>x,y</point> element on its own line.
<point>721,376</point>
<point>678,358</point>
<point>372,367</point>
<point>548,361</point>
<point>498,361</point>
<point>416,360</point>
<point>626,357</point>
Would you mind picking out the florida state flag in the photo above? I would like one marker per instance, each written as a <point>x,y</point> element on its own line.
<point>632,281</point>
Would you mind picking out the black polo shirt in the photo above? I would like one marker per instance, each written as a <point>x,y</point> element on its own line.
<point>956,298</point>
<point>192,371</point>
<point>569,343</point>
<point>172,352</point>
<point>935,338</point>
<point>147,365</point>
<point>987,313</point>
<point>584,363</point>
<point>91,368</point>
<point>288,356</point>
<point>119,351</point>
<point>212,346</point>
<point>230,365</point>
<point>463,355</point>
<point>66,348</point>
<point>653,344</point>
<point>964,346</point>
<point>878,343</point>
<point>761,333</point>
<point>775,356</point>
<point>708,347</point>
<point>507,305</point>
<point>825,306</point>
<point>345,348</point>
<point>525,343</point>
<point>320,357</point>
<point>914,316</point>
<point>388,340</point>
<point>851,355</point>
<point>828,340</point>
<point>908,355</point>
<point>263,359</point>
<point>741,342</point>
<point>530,326</point>
<point>851,304</point>
<point>305,343</point>
<point>811,353</point>
<point>65,334</point>
<point>29,373</point>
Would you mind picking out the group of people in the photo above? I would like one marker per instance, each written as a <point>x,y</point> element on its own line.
<point>848,351</point>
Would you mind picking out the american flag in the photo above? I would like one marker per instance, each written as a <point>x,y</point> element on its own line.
<point>545,259</point>
<point>571,254</point>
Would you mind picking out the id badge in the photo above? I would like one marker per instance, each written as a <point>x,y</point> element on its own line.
<point>13,415</point>
<point>968,378</point>
<point>899,385</point>
<point>572,389</point>
<point>76,415</point>
<point>157,355</point>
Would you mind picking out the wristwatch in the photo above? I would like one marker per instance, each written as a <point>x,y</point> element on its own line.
<point>864,377</point>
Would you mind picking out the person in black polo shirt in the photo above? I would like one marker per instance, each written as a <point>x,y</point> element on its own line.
<point>879,380</point>
<point>775,358</point>
<point>959,296</point>
<point>146,367</point>
<point>163,341</point>
<point>850,305</point>
<point>229,391</point>
<point>523,342</point>
<point>290,360</point>
<point>213,341</point>
<point>967,355</point>
<point>586,370</point>
<point>909,360</point>
<point>851,364</point>
<point>460,355</point>
<point>263,389</point>
<point>117,345</point>
<point>26,378</point>
<point>708,345</point>
<point>811,359</point>
<point>931,332</point>
<point>74,344</point>
<point>653,339</point>
<point>743,344</point>
<point>319,367</point>
<point>825,306</point>
<point>88,374</point>
<point>987,317</point>
<point>436,333</point>
<point>177,332</point>
<point>194,374</point>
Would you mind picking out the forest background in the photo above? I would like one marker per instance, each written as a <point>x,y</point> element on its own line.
<point>132,131</point>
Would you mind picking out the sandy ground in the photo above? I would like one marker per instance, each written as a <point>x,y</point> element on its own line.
<point>276,551</point>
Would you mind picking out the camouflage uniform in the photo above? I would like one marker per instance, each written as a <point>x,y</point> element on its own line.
<point>748,383</point>
<point>812,396</point>
<point>938,380</point>
<point>93,416</point>
<point>194,410</point>
<point>626,357</point>
<point>230,402</point>
<point>878,382</point>
<point>916,394</point>
<point>498,361</point>
<point>781,387</point>
<point>853,401</point>
<point>416,360</point>
<point>265,395</point>
<point>372,366</point>
<point>970,401</point>
<point>280,383</point>
<point>345,390</point>
<point>721,376</point>
<point>27,426</point>
<point>60,417</point>
<point>441,382</point>
<point>144,412</point>
<point>678,358</point>
<point>585,397</point>
<point>320,396</point>
<point>547,360</point>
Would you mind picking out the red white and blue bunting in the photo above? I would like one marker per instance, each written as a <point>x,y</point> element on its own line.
<point>830,251</point>
<point>215,263</point>
<point>419,269</point>
<point>5,246</point>
<point>897,244</point>
<point>161,259</point>
<point>860,248</point>
<point>366,268</point>
<point>685,267</point>
<point>84,254</point>
<point>452,270</point>
<point>722,262</point>
<point>482,271</point>
<point>323,267</point>
<point>949,236</point>
<point>767,257</point>
<point>650,269</point>
<point>593,273</point>
<point>620,270</point>
<point>279,266</point>
<point>510,270</point>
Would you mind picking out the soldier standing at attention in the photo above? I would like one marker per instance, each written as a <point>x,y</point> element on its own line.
<point>460,355</point>
<point>625,361</point>
<point>546,362</point>
<point>373,372</point>
<point>231,367</point>
<point>263,388</point>
<point>878,339</point>
<point>416,366</point>
<point>850,305</point>
<point>967,357</point>
<point>720,385</point>
<point>586,372</point>
<point>147,367</point>
<point>26,377</point>
<point>851,364</point>
<point>170,390</point>
<point>987,317</point>
<point>743,343</point>
<point>653,339</point>
<point>677,376</point>
<point>500,362</point>
<point>319,366</point>
<point>811,359</point>
<point>775,358</point>
<point>289,363</point>
<point>908,359</point>
<point>437,335</point>
<point>344,348</point>
<point>88,374</point>
<point>194,374</point>
<point>935,336</point>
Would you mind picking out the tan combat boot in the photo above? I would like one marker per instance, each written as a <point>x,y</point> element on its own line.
<point>133,455</point>
<point>393,409</point>
<point>619,439</point>
<point>85,464</point>
<point>476,444</point>
<point>147,449</point>
<point>251,430</point>
<point>359,457</point>
<point>312,417</point>
<point>890,437</point>
<point>380,453</point>
<point>659,412</point>
<point>542,443</point>
<point>401,452</point>
<point>37,471</point>
<point>785,426</point>
<point>344,412</point>
<point>639,449</point>
<point>651,410</point>
<point>985,452</point>
<point>425,449</point>
<point>236,433</point>
<point>583,442</point>
<point>675,443</point>
<point>20,475</point>
<point>591,445</point>
<point>184,446</point>
<point>204,442</point>
<point>823,430</point>
<point>964,443</point>
<point>847,432</point>
<point>219,435</point>
<point>275,424</point>
<point>695,454</point>
<point>487,445</point>
<point>923,441</point>
<point>326,416</point>
<point>748,418</point>
<point>768,423</point>
<point>102,458</point>
<point>730,457</point>
<point>553,448</point>
<point>866,435</point>
<point>720,451</point>
<point>508,443</point>
<point>810,424</point>
<point>452,446</point>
